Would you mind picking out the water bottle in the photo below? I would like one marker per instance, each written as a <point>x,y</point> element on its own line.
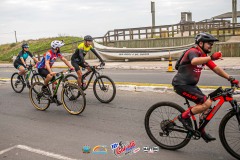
<point>84,83</point>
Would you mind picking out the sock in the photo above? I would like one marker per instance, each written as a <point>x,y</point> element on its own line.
<point>187,114</point>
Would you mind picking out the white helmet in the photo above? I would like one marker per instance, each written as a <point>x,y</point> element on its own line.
<point>57,44</point>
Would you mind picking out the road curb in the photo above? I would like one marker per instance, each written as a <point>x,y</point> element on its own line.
<point>157,88</point>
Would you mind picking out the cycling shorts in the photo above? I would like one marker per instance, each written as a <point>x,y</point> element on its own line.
<point>192,93</point>
<point>76,65</point>
<point>17,65</point>
<point>43,72</point>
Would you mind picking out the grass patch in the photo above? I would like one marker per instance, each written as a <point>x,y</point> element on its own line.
<point>39,46</point>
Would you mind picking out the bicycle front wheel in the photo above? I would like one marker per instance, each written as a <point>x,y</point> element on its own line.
<point>229,134</point>
<point>104,89</point>
<point>17,82</point>
<point>71,78</point>
<point>73,98</point>
<point>160,128</point>
<point>39,100</point>
<point>37,78</point>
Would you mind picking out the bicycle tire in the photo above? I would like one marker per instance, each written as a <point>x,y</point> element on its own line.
<point>37,78</point>
<point>223,137</point>
<point>38,92</point>
<point>78,99</point>
<point>13,83</point>
<point>113,87</point>
<point>71,77</point>
<point>150,134</point>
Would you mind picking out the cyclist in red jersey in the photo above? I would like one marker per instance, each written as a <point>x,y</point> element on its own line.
<point>45,65</point>
<point>189,71</point>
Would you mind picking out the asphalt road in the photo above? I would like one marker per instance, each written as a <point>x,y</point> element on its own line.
<point>55,134</point>
<point>208,78</point>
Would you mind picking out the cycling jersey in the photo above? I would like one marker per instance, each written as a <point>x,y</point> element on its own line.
<point>51,56</point>
<point>189,74</point>
<point>23,55</point>
<point>82,51</point>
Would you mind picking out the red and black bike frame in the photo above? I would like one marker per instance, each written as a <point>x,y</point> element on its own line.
<point>222,99</point>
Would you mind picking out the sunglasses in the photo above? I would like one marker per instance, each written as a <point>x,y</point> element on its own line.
<point>210,43</point>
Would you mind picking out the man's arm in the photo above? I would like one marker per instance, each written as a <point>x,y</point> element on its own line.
<point>47,62</point>
<point>219,71</point>
<point>34,58</point>
<point>66,62</point>
<point>200,60</point>
<point>97,55</point>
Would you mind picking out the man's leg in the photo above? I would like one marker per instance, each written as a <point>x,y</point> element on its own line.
<point>45,73</point>
<point>194,94</point>
<point>21,70</point>
<point>79,73</point>
<point>48,79</point>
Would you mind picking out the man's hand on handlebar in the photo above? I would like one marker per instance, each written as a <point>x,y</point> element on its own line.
<point>102,64</point>
<point>234,81</point>
<point>71,69</point>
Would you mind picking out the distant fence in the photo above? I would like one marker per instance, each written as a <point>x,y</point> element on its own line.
<point>217,28</point>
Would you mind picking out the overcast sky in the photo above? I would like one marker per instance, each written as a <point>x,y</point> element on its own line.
<point>33,19</point>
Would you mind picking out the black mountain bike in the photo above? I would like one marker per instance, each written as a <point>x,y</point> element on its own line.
<point>164,129</point>
<point>103,87</point>
<point>19,82</point>
<point>72,96</point>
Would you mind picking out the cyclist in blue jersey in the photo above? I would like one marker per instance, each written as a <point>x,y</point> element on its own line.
<point>20,61</point>
<point>45,65</point>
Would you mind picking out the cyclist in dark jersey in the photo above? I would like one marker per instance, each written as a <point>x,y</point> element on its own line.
<point>189,71</point>
<point>20,61</point>
<point>78,57</point>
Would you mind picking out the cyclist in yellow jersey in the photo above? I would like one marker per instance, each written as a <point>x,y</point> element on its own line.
<point>78,57</point>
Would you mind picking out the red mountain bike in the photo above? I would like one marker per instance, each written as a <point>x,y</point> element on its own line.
<point>166,131</point>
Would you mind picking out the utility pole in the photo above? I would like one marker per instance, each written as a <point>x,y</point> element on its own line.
<point>153,17</point>
<point>15,36</point>
<point>234,11</point>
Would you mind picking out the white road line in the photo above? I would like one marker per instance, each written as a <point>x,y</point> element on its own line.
<point>6,150</point>
<point>38,151</point>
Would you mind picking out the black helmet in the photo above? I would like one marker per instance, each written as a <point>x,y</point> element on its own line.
<point>88,38</point>
<point>25,45</point>
<point>205,37</point>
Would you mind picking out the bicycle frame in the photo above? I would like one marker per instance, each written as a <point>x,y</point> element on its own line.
<point>94,72</point>
<point>60,78</point>
<point>222,98</point>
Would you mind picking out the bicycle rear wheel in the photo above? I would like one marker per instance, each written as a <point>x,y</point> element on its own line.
<point>229,134</point>
<point>17,83</point>
<point>73,98</point>
<point>104,89</point>
<point>39,100</point>
<point>159,127</point>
